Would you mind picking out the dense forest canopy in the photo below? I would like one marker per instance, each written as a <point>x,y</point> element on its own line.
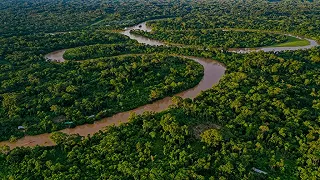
<point>39,93</point>
<point>32,16</point>
<point>264,114</point>
<point>216,38</point>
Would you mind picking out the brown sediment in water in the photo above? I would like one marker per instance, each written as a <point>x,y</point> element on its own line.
<point>213,71</point>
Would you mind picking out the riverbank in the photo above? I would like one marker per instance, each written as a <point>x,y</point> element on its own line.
<point>213,71</point>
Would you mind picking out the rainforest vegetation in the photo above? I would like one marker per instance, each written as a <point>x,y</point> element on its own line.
<point>286,17</point>
<point>245,121</point>
<point>263,114</point>
<point>101,50</point>
<point>215,38</point>
<point>35,96</point>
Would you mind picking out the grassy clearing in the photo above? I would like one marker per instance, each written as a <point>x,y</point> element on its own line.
<point>292,42</point>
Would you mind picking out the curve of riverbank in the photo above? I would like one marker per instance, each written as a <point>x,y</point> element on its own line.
<point>213,71</point>
<point>143,26</point>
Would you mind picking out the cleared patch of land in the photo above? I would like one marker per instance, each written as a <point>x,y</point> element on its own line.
<point>293,42</point>
<point>200,128</point>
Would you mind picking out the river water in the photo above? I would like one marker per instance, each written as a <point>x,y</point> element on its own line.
<point>144,40</point>
<point>312,43</point>
<point>213,71</point>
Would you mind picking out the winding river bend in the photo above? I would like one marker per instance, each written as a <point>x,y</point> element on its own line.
<point>213,71</point>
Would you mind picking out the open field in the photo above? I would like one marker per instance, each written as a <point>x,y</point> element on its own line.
<point>292,42</point>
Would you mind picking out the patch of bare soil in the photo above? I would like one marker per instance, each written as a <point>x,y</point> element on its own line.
<point>200,128</point>
<point>59,119</point>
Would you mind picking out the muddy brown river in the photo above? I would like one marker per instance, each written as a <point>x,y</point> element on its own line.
<point>213,71</point>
